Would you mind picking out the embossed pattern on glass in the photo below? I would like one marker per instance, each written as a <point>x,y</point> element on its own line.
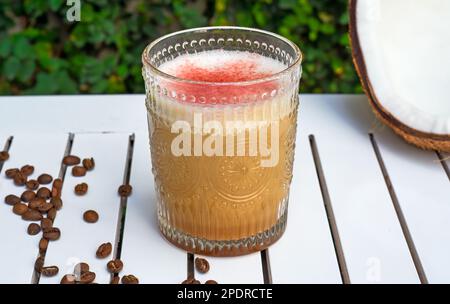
<point>222,205</point>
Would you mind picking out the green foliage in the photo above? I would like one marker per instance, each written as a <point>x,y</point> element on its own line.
<point>41,52</point>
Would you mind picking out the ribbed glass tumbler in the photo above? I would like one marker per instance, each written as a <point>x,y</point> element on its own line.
<point>222,151</point>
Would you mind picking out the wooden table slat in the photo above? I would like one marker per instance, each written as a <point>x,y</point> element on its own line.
<point>20,250</point>
<point>80,240</point>
<point>305,254</point>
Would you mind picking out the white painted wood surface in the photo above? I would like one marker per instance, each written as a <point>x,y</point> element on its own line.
<point>373,244</point>
<point>20,250</point>
<point>79,239</point>
<point>423,191</point>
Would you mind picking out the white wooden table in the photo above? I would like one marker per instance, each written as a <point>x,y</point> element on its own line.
<point>364,206</point>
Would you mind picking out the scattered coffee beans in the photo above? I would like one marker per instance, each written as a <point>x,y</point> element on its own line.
<point>20,179</point>
<point>81,189</point>
<point>11,173</point>
<point>56,202</point>
<point>80,269</point>
<point>125,190</point>
<point>104,250</point>
<point>57,187</point>
<point>52,234</point>
<point>46,223</point>
<point>49,271</point>
<point>69,279</point>
<point>20,209</point>
<point>89,163</point>
<point>33,229</point>
<point>36,203</point>
<point>190,281</point>
<point>51,214</point>
<point>45,179</point>
<point>12,199</point>
<point>28,196</point>
<point>38,264</point>
<point>211,282</point>
<point>90,216</point>
<point>201,265</point>
<point>78,171</point>
<point>43,245</point>
<point>32,215</point>
<point>115,280</point>
<point>44,193</point>
<point>27,170</point>
<point>4,156</point>
<point>44,208</point>
<point>32,184</point>
<point>115,266</point>
<point>130,279</point>
<point>87,277</point>
<point>71,160</point>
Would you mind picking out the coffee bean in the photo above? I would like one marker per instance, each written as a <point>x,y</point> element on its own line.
<point>20,179</point>
<point>38,264</point>
<point>57,187</point>
<point>115,266</point>
<point>11,173</point>
<point>46,223</point>
<point>27,196</point>
<point>44,208</point>
<point>33,229</point>
<point>44,193</point>
<point>71,160</point>
<point>32,215</point>
<point>78,171</point>
<point>87,277</point>
<point>81,189</point>
<point>201,265</point>
<point>52,234</point>
<point>27,170</point>
<point>115,280</point>
<point>90,216</point>
<point>80,269</point>
<point>4,156</point>
<point>43,245</point>
<point>49,271</point>
<point>51,214</point>
<point>130,279</point>
<point>45,179</point>
<point>56,202</point>
<point>125,190</point>
<point>36,203</point>
<point>104,250</point>
<point>89,163</point>
<point>211,282</point>
<point>12,199</point>
<point>32,184</point>
<point>20,209</point>
<point>69,279</point>
<point>190,281</point>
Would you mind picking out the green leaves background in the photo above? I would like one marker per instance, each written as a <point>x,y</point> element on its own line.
<point>42,53</point>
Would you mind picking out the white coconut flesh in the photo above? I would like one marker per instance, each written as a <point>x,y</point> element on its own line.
<point>406,49</point>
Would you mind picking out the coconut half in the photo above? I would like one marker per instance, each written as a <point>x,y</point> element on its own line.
<point>401,50</point>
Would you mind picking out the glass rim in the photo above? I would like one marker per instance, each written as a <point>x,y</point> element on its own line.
<point>147,62</point>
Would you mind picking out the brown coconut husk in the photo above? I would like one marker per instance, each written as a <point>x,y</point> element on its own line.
<point>418,138</point>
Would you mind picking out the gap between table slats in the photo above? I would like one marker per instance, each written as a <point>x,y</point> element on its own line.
<point>444,160</point>
<point>6,148</point>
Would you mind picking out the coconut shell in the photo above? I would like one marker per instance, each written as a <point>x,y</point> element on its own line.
<point>418,138</point>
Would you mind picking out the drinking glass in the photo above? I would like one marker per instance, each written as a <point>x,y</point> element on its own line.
<point>235,202</point>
